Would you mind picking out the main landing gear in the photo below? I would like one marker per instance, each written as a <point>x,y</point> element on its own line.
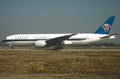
<point>58,47</point>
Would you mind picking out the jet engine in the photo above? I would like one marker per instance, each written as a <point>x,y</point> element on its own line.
<point>40,43</point>
<point>67,42</point>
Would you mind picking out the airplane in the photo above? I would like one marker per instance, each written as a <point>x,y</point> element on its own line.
<point>58,40</point>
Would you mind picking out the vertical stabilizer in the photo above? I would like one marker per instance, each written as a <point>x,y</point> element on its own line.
<point>106,27</point>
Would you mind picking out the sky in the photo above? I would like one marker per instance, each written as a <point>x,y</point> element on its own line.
<point>57,16</point>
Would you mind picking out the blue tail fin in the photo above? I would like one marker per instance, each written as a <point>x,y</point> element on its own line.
<point>106,27</point>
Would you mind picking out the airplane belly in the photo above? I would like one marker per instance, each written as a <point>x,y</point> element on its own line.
<point>80,42</point>
<point>84,41</point>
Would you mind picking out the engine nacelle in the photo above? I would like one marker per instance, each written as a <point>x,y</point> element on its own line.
<point>40,43</point>
<point>67,42</point>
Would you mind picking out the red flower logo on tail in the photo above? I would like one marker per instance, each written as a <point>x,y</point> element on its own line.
<point>106,27</point>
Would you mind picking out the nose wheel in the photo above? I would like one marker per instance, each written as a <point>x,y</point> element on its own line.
<point>12,46</point>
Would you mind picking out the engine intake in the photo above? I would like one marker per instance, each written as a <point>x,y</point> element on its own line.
<point>40,43</point>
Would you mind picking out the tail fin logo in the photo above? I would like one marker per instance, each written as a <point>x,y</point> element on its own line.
<point>106,27</point>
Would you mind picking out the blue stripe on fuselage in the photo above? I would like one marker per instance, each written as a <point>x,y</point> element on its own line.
<point>11,40</point>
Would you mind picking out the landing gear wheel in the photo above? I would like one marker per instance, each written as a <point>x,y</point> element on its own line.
<point>12,46</point>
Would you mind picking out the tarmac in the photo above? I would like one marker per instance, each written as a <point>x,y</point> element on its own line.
<point>65,49</point>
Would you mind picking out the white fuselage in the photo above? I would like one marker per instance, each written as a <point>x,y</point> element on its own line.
<point>47,40</point>
<point>30,39</point>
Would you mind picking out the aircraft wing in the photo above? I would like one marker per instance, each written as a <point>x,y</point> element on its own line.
<point>57,41</point>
